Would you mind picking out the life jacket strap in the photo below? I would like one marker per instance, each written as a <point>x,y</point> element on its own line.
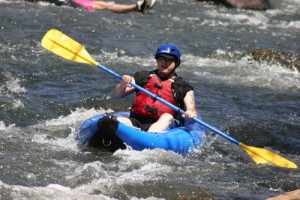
<point>157,85</point>
<point>151,109</point>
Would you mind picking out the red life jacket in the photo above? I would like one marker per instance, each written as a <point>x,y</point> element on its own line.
<point>145,106</point>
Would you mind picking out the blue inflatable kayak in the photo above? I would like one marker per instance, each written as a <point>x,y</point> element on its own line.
<point>181,140</point>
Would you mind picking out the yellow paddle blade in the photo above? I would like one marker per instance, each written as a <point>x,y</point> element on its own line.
<point>64,46</point>
<point>263,156</point>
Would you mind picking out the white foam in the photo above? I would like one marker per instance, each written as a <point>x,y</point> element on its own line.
<point>3,127</point>
<point>66,126</point>
<point>14,86</point>
<point>10,88</point>
<point>52,191</point>
<point>238,18</point>
<point>243,71</point>
<point>80,114</point>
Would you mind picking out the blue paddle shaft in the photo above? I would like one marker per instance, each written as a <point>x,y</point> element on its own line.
<point>177,109</point>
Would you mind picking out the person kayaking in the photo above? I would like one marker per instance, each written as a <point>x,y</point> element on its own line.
<point>147,113</point>
<point>142,6</point>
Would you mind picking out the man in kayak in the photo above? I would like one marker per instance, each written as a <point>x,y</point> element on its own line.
<point>147,113</point>
<point>142,6</point>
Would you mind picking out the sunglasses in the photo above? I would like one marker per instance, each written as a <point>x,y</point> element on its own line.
<point>161,58</point>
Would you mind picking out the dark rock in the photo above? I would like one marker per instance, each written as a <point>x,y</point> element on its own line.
<point>275,57</point>
<point>245,4</point>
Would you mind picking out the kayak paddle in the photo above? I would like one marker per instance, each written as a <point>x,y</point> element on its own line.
<point>66,47</point>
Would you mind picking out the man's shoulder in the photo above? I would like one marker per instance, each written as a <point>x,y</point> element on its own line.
<point>180,81</point>
<point>144,72</point>
<point>181,87</point>
<point>142,77</point>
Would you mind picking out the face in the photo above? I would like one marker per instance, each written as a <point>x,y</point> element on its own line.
<point>166,67</point>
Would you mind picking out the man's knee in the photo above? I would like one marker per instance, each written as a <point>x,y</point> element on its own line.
<point>125,120</point>
<point>167,117</point>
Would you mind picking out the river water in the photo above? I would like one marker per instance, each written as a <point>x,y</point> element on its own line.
<point>44,99</point>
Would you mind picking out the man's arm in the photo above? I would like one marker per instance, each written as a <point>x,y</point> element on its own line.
<point>190,105</point>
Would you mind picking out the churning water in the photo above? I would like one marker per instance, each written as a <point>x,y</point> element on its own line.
<point>44,99</point>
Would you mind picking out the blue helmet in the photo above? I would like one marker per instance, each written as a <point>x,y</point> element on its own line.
<point>169,49</point>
